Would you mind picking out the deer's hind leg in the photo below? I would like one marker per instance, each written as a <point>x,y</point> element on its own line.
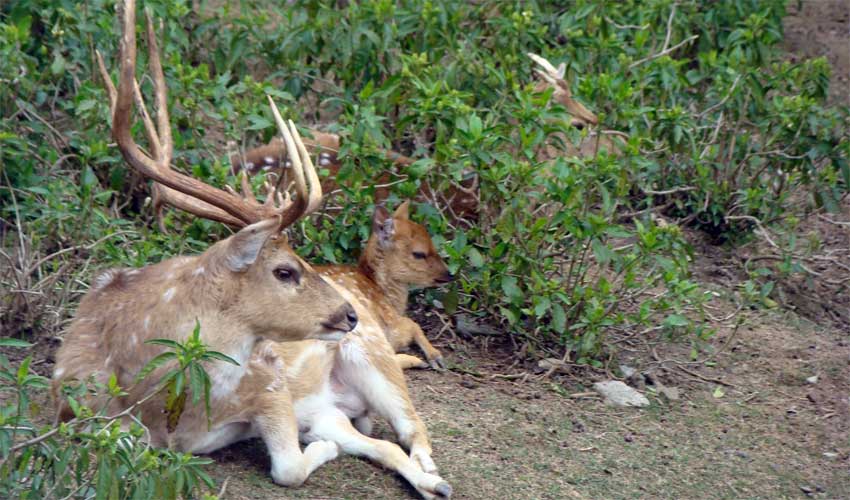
<point>371,367</point>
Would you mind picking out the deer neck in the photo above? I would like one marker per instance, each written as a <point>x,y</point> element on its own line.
<point>373,265</point>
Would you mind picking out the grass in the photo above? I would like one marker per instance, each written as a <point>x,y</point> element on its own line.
<point>496,439</point>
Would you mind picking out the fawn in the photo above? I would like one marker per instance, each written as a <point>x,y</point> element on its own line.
<point>399,254</point>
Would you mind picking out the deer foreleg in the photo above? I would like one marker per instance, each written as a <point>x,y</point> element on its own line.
<point>338,429</point>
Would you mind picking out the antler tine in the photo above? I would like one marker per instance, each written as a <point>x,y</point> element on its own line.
<point>545,64</point>
<point>150,130</point>
<point>163,124</point>
<point>107,82</point>
<point>302,202</point>
<point>178,189</point>
<point>315,198</point>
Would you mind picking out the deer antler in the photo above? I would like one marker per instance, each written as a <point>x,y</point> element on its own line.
<point>180,190</point>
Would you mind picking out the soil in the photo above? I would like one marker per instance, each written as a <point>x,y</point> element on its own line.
<point>817,28</point>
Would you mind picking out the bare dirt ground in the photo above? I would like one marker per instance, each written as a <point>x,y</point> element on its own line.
<point>817,28</point>
<point>762,431</point>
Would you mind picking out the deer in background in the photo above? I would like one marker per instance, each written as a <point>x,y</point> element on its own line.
<point>461,200</point>
<point>580,117</point>
<point>248,287</point>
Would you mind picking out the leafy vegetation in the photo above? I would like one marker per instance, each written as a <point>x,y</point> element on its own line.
<point>96,454</point>
<point>722,134</point>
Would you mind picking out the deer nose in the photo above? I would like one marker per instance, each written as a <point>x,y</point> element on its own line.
<point>351,316</point>
<point>447,277</point>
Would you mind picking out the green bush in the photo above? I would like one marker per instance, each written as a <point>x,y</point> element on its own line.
<point>722,131</point>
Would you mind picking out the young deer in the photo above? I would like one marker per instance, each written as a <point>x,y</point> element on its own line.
<point>332,384</point>
<point>399,254</point>
<point>248,287</point>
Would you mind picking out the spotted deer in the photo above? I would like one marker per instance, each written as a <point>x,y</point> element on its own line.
<point>580,117</point>
<point>336,388</point>
<point>248,287</point>
<point>399,254</point>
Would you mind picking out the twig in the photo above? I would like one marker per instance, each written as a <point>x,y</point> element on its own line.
<point>669,191</point>
<point>663,52</point>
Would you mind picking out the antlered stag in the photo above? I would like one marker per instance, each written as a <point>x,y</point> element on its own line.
<point>248,287</point>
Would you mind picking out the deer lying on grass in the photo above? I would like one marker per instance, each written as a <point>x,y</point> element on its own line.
<point>332,383</point>
<point>399,254</point>
<point>248,287</point>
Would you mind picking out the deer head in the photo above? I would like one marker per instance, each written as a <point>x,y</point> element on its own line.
<point>259,280</point>
<point>401,251</point>
<point>554,77</point>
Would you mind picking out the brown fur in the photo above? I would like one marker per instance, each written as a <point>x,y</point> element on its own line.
<point>387,268</point>
<point>235,308</point>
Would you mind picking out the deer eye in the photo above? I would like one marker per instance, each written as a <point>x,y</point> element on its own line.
<point>286,274</point>
<point>419,255</point>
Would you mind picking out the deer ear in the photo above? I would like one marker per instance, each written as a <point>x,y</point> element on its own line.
<point>562,70</point>
<point>383,227</point>
<point>403,211</point>
<point>244,247</point>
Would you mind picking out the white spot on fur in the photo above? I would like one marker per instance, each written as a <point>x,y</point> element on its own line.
<point>169,294</point>
<point>58,372</point>
<point>199,271</point>
<point>269,160</point>
<point>169,276</point>
<point>133,272</point>
<point>147,322</point>
<point>108,360</point>
<point>324,162</point>
<point>325,156</point>
<point>133,339</point>
<point>249,165</point>
<point>287,164</point>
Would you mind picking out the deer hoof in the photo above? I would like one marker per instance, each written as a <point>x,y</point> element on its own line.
<point>443,490</point>
<point>437,362</point>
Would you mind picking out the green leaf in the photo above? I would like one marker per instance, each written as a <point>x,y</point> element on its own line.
<point>559,318</point>
<point>450,301</point>
<point>10,342</point>
<point>58,65</point>
<point>165,342</point>
<point>675,320</point>
<point>475,258</point>
<point>155,363</point>
<point>510,288</point>
<point>219,356</point>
